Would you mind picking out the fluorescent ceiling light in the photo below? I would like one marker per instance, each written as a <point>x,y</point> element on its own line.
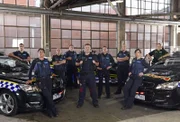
<point>114,2</point>
<point>118,1</point>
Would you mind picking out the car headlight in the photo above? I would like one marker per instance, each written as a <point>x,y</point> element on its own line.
<point>168,86</point>
<point>28,88</point>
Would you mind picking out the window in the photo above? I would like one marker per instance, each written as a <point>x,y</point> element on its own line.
<point>86,35</point>
<point>66,33</point>
<point>55,43</point>
<point>21,2</point>
<point>78,33</point>
<point>55,33</point>
<point>137,7</point>
<point>9,1</point>
<point>15,29</point>
<point>22,20</point>
<point>85,25</point>
<point>76,24</point>
<point>95,35</point>
<point>55,23</point>
<point>66,24</point>
<point>146,36</point>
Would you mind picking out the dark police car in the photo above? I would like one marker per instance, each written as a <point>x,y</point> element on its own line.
<point>161,84</point>
<point>15,95</point>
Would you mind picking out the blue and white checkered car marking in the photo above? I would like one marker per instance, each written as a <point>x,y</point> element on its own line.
<point>12,86</point>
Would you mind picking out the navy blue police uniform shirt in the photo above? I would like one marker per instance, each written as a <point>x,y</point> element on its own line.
<point>40,67</point>
<point>123,54</point>
<point>105,60</point>
<point>138,66</point>
<point>73,55</point>
<point>58,58</point>
<point>22,55</point>
<point>87,65</point>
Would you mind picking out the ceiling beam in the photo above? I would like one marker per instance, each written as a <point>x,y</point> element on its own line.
<point>155,14</point>
<point>117,18</point>
<point>83,4</point>
<point>113,7</point>
<point>89,16</point>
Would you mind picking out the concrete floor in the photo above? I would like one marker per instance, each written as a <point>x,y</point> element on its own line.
<point>109,111</point>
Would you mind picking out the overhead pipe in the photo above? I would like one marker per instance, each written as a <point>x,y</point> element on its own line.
<point>117,18</point>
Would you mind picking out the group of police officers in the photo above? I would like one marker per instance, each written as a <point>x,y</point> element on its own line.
<point>129,76</point>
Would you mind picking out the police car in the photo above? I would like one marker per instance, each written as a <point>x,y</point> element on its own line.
<point>15,95</point>
<point>161,84</point>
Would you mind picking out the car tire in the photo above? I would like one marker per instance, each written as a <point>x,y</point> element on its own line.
<point>9,103</point>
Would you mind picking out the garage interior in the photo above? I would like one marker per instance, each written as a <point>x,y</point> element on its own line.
<point>52,24</point>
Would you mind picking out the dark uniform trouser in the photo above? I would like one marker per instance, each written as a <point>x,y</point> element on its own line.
<point>130,90</point>
<point>122,75</point>
<point>45,84</point>
<point>101,74</point>
<point>60,73</point>
<point>87,80</point>
<point>71,75</point>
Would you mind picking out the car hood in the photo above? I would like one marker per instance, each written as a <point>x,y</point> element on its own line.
<point>17,77</point>
<point>157,79</point>
<point>161,74</point>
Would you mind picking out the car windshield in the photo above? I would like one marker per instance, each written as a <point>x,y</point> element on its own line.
<point>11,62</point>
<point>8,62</point>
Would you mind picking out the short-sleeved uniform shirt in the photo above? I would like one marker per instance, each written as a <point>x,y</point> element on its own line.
<point>33,66</point>
<point>105,60</point>
<point>22,55</point>
<point>138,66</point>
<point>73,55</point>
<point>123,54</point>
<point>87,65</point>
<point>157,54</point>
<point>59,58</point>
<point>42,69</point>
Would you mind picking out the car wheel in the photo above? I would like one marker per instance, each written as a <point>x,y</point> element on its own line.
<point>8,103</point>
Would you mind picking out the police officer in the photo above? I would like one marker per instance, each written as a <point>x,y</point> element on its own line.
<point>123,68</point>
<point>59,62</point>
<point>21,54</point>
<point>135,79</point>
<point>71,67</point>
<point>87,62</point>
<point>42,71</point>
<point>106,62</point>
<point>158,53</point>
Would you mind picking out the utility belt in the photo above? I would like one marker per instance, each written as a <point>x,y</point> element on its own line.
<point>85,73</point>
<point>42,78</point>
<point>124,64</point>
<point>104,69</point>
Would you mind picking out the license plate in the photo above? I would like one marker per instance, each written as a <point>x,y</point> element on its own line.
<point>140,97</point>
<point>56,96</point>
